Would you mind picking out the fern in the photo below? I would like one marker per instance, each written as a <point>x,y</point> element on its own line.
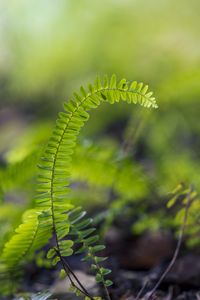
<point>31,235</point>
<point>9,219</point>
<point>85,237</point>
<point>52,201</point>
<point>55,166</point>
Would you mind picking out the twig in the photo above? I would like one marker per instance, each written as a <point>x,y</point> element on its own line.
<point>142,289</point>
<point>181,234</point>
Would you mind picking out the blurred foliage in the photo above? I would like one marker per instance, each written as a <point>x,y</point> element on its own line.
<point>126,160</point>
<point>39,296</point>
<point>49,47</point>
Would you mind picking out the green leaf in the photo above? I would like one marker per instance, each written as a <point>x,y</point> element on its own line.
<point>99,259</point>
<point>91,240</point>
<point>105,81</point>
<point>113,81</point>
<point>83,224</point>
<point>81,250</point>
<point>85,233</point>
<point>172,201</point>
<point>97,248</point>
<point>98,277</point>
<point>93,267</point>
<point>62,274</point>
<point>121,83</point>
<point>105,271</point>
<point>98,83</point>
<point>55,260</point>
<point>67,252</point>
<point>66,244</point>
<point>51,253</point>
<point>108,283</point>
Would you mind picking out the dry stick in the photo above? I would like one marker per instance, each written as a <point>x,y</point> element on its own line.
<point>177,248</point>
<point>141,290</point>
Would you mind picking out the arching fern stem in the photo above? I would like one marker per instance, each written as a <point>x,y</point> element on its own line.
<point>95,96</point>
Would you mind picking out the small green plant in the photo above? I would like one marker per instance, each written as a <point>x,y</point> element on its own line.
<point>54,214</point>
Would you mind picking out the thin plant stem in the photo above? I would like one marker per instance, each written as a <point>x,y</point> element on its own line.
<point>70,273</point>
<point>141,290</point>
<point>105,288</point>
<point>106,292</point>
<point>180,239</point>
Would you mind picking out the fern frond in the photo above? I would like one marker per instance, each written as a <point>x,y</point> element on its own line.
<point>52,201</point>
<point>56,162</point>
<point>24,244</point>
<point>85,236</point>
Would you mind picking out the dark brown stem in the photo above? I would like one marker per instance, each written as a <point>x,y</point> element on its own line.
<point>70,273</point>
<point>78,281</point>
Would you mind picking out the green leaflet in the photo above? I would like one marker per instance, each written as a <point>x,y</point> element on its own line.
<point>52,201</point>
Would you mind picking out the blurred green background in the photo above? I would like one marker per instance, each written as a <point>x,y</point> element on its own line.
<point>49,48</point>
